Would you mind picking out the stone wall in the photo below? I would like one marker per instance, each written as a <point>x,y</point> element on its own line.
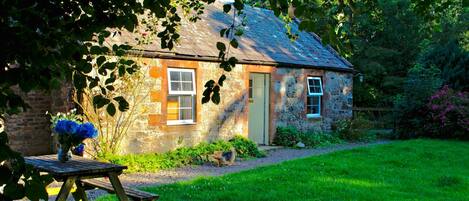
<point>29,131</point>
<point>290,87</point>
<point>338,95</point>
<point>150,132</point>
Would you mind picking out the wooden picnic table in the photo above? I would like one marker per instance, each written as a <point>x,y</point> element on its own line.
<point>78,168</point>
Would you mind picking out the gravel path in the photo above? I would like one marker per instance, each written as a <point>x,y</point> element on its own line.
<point>273,157</point>
<point>187,173</point>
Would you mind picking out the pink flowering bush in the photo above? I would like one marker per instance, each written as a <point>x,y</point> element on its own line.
<point>448,112</point>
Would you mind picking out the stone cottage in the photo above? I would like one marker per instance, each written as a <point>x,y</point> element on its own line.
<point>277,82</point>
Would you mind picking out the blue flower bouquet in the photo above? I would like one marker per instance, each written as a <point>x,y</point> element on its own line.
<point>71,135</point>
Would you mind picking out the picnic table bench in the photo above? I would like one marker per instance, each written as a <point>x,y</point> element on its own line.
<point>83,172</point>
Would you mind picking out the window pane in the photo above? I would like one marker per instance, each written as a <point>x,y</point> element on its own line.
<point>310,82</point>
<point>315,100</point>
<point>316,82</point>
<point>175,76</point>
<point>186,76</point>
<point>187,86</point>
<point>313,104</point>
<point>314,86</point>
<point>314,89</point>
<point>180,108</point>
<point>315,109</point>
<point>186,101</point>
<point>186,114</point>
<point>250,88</point>
<point>173,108</point>
<point>176,86</point>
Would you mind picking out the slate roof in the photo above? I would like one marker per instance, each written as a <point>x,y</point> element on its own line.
<point>264,40</point>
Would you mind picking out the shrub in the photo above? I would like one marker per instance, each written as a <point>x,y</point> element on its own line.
<point>290,136</point>
<point>287,136</point>
<point>184,156</point>
<point>245,148</point>
<point>410,107</point>
<point>318,138</point>
<point>356,129</point>
<point>448,114</point>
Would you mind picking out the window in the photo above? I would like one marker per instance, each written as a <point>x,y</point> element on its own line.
<point>313,102</point>
<point>250,88</point>
<point>181,96</point>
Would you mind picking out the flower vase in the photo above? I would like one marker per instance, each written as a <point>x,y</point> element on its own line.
<point>64,154</point>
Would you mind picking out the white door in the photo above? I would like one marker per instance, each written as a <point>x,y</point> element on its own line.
<point>259,85</point>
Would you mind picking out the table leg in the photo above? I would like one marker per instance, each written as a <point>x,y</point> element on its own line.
<point>65,189</point>
<point>80,193</point>
<point>117,186</point>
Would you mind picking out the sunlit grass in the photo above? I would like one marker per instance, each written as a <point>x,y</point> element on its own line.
<point>407,170</point>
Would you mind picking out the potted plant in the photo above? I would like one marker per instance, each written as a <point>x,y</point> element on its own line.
<point>70,132</point>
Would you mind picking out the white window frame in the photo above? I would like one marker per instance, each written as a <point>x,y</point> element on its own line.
<point>181,93</point>
<point>170,90</point>
<point>311,94</point>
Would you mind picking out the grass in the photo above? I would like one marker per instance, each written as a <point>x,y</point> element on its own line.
<point>405,170</point>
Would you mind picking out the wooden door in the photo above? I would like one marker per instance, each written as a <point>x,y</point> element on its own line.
<point>258,121</point>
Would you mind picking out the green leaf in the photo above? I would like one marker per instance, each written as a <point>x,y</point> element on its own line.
<point>205,99</point>
<point>121,70</point>
<point>115,47</point>
<point>234,43</point>
<point>109,65</point>
<point>210,83</point>
<point>238,4</point>
<point>84,66</point>
<point>221,46</point>
<point>3,138</point>
<point>79,80</point>
<point>239,32</point>
<point>226,8</point>
<point>216,95</point>
<point>222,32</point>
<point>123,105</point>
<point>14,191</point>
<point>232,61</point>
<point>5,174</point>
<point>125,47</point>
<point>110,88</point>
<point>225,65</point>
<point>111,109</point>
<point>35,189</point>
<point>93,83</point>
<point>100,101</point>
<point>120,52</point>
<point>100,60</point>
<point>95,50</point>
<point>110,80</point>
<point>221,80</point>
<point>170,45</point>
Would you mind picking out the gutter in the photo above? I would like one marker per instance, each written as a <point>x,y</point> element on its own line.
<point>167,55</point>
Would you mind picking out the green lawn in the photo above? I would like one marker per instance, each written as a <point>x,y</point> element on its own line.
<point>407,170</point>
